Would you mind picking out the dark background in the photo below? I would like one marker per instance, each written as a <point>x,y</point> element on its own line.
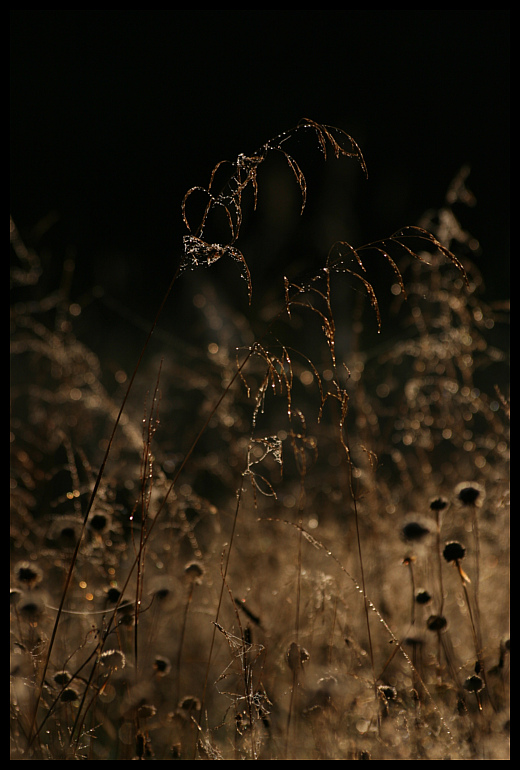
<point>115,114</point>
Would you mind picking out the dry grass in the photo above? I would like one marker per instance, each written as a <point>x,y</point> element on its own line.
<point>242,554</point>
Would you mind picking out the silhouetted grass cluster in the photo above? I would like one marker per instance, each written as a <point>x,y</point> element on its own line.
<point>280,544</point>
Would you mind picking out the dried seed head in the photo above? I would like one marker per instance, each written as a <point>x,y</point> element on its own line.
<point>162,593</point>
<point>194,571</point>
<point>190,703</point>
<point>414,640</point>
<point>28,574</point>
<point>99,522</point>
<point>296,656</point>
<point>14,596</point>
<point>423,597</point>
<point>439,504</point>
<point>473,684</point>
<point>162,665</point>
<point>416,529</point>
<point>112,659</point>
<point>453,551</point>
<point>113,594</point>
<point>147,710</point>
<point>31,607</point>
<point>162,588</point>
<point>387,691</point>
<point>436,623</point>
<point>69,695</point>
<point>61,677</point>
<point>469,493</point>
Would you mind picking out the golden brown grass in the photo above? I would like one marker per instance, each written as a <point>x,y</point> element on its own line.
<point>243,554</point>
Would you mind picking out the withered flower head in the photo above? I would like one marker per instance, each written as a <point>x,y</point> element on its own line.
<point>436,623</point>
<point>469,493</point>
<point>453,551</point>
<point>28,574</point>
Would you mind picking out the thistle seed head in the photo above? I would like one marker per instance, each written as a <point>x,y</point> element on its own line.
<point>469,493</point>
<point>436,623</point>
<point>28,574</point>
<point>453,551</point>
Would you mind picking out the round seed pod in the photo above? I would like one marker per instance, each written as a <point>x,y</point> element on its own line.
<point>28,574</point>
<point>436,623</point>
<point>438,504</point>
<point>416,529</point>
<point>473,684</point>
<point>296,656</point>
<point>468,493</point>
<point>453,551</point>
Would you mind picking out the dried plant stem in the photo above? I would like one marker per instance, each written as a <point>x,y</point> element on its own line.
<point>33,730</point>
<point>439,561</point>
<point>475,631</point>
<point>221,594</point>
<point>181,641</point>
<point>366,603</point>
<point>476,535</point>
